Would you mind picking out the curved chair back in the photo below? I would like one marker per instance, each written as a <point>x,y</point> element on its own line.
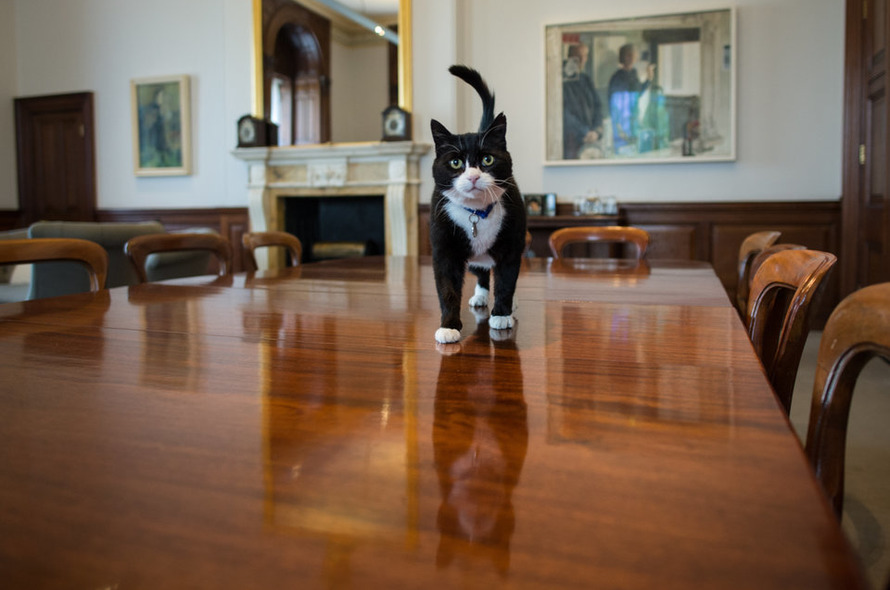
<point>751,247</point>
<point>758,259</point>
<point>613,233</point>
<point>254,240</point>
<point>139,248</point>
<point>782,290</point>
<point>31,250</point>
<point>52,279</point>
<point>857,331</point>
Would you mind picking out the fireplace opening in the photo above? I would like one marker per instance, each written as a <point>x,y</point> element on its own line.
<point>336,227</point>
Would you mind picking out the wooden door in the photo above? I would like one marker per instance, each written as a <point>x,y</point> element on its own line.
<point>56,157</point>
<point>866,211</point>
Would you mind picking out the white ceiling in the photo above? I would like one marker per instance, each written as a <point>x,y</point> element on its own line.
<point>384,12</point>
<point>373,7</point>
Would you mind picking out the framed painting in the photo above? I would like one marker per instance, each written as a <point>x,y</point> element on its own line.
<point>161,126</point>
<point>642,90</point>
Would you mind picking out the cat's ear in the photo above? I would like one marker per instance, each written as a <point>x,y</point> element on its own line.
<point>441,136</point>
<point>497,131</point>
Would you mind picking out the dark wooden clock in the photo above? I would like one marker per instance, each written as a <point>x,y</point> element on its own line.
<point>253,132</point>
<point>396,124</point>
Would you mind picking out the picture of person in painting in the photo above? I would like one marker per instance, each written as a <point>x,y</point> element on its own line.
<point>582,109</point>
<point>639,118</point>
<point>159,131</point>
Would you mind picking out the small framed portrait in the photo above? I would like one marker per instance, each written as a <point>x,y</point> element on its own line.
<point>534,204</point>
<point>161,126</point>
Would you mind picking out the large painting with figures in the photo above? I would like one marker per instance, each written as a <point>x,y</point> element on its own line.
<point>642,90</point>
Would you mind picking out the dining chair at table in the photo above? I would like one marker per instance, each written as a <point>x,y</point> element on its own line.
<point>756,262</point>
<point>34,250</point>
<point>254,240</point>
<point>139,248</point>
<point>614,234</point>
<point>751,247</point>
<point>857,331</point>
<point>783,289</point>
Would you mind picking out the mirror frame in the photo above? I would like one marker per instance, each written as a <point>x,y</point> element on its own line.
<point>406,96</point>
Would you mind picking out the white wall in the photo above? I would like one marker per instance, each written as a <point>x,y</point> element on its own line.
<point>790,76</point>
<point>100,45</point>
<point>8,195</point>
<point>790,61</point>
<point>359,90</point>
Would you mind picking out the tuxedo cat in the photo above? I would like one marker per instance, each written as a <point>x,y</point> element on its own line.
<point>477,217</point>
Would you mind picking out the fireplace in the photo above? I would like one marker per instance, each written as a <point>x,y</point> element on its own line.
<point>335,227</point>
<point>387,170</point>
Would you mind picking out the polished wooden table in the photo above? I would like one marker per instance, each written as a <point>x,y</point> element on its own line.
<point>302,429</point>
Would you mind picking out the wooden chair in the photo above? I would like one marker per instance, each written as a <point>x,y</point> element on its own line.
<point>139,248</point>
<point>755,263</point>
<point>615,234</point>
<point>254,240</point>
<point>751,247</point>
<point>857,331</point>
<point>31,250</point>
<point>782,290</point>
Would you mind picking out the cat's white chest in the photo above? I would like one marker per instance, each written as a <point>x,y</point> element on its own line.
<point>487,230</point>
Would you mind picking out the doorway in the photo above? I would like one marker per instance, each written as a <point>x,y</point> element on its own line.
<point>55,148</point>
<point>866,212</point>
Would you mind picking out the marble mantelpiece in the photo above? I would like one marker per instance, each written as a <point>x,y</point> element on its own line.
<point>388,169</point>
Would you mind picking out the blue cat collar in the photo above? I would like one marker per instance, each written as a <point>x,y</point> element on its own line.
<point>482,213</point>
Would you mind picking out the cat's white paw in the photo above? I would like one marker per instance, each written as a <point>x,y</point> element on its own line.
<point>479,298</point>
<point>446,335</point>
<point>500,322</point>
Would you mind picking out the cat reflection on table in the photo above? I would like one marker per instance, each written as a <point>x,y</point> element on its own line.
<point>480,438</point>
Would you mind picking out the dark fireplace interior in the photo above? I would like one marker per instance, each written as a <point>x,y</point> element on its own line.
<point>336,227</point>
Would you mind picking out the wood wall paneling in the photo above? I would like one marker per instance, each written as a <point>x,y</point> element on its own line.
<point>711,232</point>
<point>10,219</point>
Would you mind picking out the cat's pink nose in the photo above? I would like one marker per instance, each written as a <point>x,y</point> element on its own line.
<point>473,178</point>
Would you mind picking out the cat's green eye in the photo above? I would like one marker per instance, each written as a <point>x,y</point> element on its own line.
<point>487,160</point>
<point>456,164</point>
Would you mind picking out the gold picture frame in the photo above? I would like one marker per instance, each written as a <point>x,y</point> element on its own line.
<point>161,118</point>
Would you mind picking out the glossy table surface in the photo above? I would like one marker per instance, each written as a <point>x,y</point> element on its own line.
<point>301,428</point>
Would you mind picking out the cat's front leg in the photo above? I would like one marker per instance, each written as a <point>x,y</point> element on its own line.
<point>504,289</point>
<point>449,285</point>
<point>483,278</point>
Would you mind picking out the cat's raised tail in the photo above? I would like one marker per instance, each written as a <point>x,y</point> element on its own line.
<point>474,79</point>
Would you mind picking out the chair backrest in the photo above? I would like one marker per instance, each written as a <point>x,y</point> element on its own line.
<point>613,233</point>
<point>254,240</point>
<point>33,250</point>
<point>53,279</point>
<point>766,253</point>
<point>782,291</point>
<point>857,331</point>
<point>751,247</point>
<point>139,248</point>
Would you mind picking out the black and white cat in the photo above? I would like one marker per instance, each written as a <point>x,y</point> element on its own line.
<point>477,216</point>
